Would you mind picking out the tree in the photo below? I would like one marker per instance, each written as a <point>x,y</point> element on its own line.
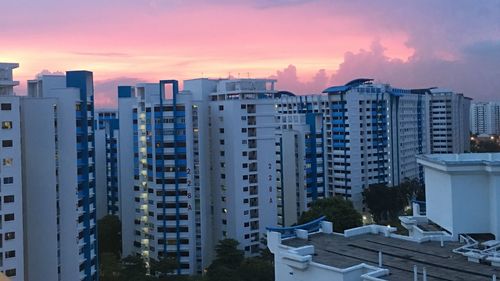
<point>481,146</point>
<point>110,267</point>
<point>385,203</point>
<point>256,269</point>
<point>337,210</point>
<point>228,253</point>
<point>109,235</point>
<point>413,189</point>
<point>228,260</point>
<point>163,267</point>
<point>134,269</point>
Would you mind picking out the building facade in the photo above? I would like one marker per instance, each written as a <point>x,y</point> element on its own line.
<point>59,188</point>
<point>450,122</point>
<point>11,212</point>
<point>485,118</point>
<point>372,133</point>
<point>165,175</point>
<point>241,124</point>
<point>300,177</point>
<point>106,141</point>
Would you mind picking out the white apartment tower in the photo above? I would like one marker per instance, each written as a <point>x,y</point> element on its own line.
<point>485,118</point>
<point>11,197</point>
<point>58,174</point>
<point>241,124</point>
<point>162,140</point>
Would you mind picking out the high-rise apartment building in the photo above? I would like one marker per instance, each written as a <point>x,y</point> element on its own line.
<point>372,132</point>
<point>485,118</point>
<point>300,164</point>
<point>450,122</point>
<point>166,184</point>
<point>11,196</point>
<point>242,126</point>
<point>58,173</point>
<point>106,147</point>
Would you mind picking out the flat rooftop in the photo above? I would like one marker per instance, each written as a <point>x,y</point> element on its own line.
<point>399,256</point>
<point>462,158</point>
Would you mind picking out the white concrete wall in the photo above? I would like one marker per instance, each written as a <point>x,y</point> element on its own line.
<point>438,194</point>
<point>126,173</point>
<point>40,197</point>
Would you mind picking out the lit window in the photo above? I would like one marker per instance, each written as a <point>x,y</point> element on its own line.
<point>7,161</point>
<point>7,125</point>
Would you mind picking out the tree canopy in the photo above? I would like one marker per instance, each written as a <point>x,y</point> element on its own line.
<point>231,265</point>
<point>337,210</point>
<point>387,203</point>
<point>109,235</point>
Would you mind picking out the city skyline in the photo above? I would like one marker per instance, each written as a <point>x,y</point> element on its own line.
<point>306,45</point>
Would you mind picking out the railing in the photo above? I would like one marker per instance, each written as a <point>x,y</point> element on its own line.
<point>287,232</point>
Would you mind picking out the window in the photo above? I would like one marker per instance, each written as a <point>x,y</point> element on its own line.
<point>8,199</point>
<point>10,235</point>
<point>7,125</point>
<point>221,130</point>
<point>10,272</point>
<point>8,180</point>
<point>7,143</point>
<point>7,161</point>
<point>9,217</point>
<point>6,106</point>
<point>221,107</point>
<point>10,254</point>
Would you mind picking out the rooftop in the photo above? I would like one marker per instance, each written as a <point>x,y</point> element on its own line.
<point>399,256</point>
<point>463,158</point>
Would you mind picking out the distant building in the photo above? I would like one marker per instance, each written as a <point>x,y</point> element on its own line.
<point>371,134</point>
<point>485,118</point>
<point>59,181</point>
<point>106,142</point>
<point>11,193</point>
<point>449,122</point>
<point>300,165</point>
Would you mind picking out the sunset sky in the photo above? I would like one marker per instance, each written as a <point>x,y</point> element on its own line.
<point>306,44</point>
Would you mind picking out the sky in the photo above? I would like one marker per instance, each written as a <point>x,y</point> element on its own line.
<point>307,45</point>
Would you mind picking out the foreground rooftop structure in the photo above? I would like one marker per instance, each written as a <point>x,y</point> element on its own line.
<point>372,253</point>
<point>463,192</point>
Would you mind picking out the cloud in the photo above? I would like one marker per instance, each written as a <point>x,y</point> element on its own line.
<point>475,72</point>
<point>289,80</point>
<point>102,54</point>
<point>48,72</point>
<point>106,91</point>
